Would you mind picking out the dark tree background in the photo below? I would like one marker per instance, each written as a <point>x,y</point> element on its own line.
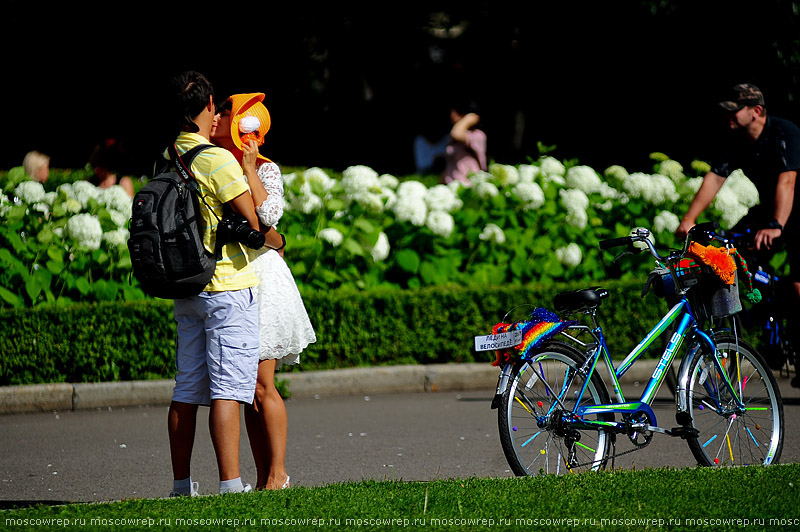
<point>353,83</point>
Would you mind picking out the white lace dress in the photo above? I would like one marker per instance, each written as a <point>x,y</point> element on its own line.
<point>284,324</point>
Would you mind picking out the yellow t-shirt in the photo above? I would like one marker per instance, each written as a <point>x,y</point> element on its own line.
<point>220,179</point>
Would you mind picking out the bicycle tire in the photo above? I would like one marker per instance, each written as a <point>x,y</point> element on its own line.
<point>526,396</point>
<point>728,438</point>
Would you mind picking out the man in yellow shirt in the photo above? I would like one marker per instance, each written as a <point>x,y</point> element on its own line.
<point>218,334</point>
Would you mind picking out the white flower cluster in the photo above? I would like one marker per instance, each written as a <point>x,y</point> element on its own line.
<point>737,195</point>
<point>575,202</point>
<point>570,256</point>
<point>666,221</point>
<point>530,194</point>
<point>362,186</point>
<point>332,236</point>
<point>672,169</point>
<point>492,233</point>
<point>380,251</point>
<point>504,174</point>
<point>30,192</point>
<point>655,189</point>
<point>85,230</point>
<point>410,205</point>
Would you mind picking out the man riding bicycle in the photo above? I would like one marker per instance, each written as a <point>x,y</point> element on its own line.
<point>767,150</point>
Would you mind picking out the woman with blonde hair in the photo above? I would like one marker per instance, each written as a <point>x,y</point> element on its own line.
<point>37,166</point>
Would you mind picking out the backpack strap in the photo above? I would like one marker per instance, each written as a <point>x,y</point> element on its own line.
<point>184,163</point>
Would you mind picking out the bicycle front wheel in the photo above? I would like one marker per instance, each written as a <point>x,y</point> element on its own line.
<point>540,396</point>
<point>730,435</point>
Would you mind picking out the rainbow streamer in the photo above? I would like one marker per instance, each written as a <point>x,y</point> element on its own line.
<point>542,326</point>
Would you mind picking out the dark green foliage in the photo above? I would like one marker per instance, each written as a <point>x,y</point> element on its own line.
<point>136,340</point>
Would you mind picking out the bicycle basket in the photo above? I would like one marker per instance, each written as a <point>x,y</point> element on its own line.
<point>708,295</point>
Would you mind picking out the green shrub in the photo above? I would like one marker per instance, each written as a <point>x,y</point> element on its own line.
<point>113,341</point>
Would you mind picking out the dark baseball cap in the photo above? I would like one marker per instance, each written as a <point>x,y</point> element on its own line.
<point>743,95</point>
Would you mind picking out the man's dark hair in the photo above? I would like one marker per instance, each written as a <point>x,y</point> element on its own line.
<point>191,91</point>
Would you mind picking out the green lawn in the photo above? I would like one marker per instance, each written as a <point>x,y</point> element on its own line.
<point>748,498</point>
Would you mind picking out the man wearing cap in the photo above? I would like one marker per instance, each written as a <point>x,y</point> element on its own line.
<point>767,150</point>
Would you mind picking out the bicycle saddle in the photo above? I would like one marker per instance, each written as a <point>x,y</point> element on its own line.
<point>588,298</point>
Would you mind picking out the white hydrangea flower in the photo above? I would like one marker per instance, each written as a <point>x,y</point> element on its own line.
<point>486,190</point>
<point>455,186</point>
<point>605,206</point>
<point>672,169</point>
<point>85,230</point>
<point>442,198</point>
<point>655,189</point>
<point>360,179</point>
<point>306,201</point>
<point>381,249</point>
<point>118,237</point>
<point>119,219</point>
<point>578,219</point>
<point>50,198</point>
<point>690,187</point>
<point>389,198</point>
<point>30,192</point>
<point>289,179</point>
<point>574,199</point>
<point>729,206</point>
<point>666,221</point>
<point>332,236</point>
<point>411,189</point>
<point>493,233</point>
<point>441,223</point>
<point>84,191</point>
<point>318,176</point>
<point>5,204</point>
<point>584,178</point>
<point>504,174</point>
<point>550,166</point>
<point>116,198</point>
<point>575,202</point>
<point>370,201</point>
<point>570,256</point>
<point>529,193</point>
<point>479,177</point>
<point>616,172</point>
<point>410,209</point>
<point>389,181</point>
<point>72,206</point>
<point>743,188</point>
<point>528,173</point>
<point>41,207</point>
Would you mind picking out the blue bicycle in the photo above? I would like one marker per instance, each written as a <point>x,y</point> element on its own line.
<point>555,412</point>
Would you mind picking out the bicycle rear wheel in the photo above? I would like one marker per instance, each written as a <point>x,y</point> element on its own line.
<point>728,435</point>
<point>534,438</point>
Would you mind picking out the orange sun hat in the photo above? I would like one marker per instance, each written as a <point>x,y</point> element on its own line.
<point>250,119</point>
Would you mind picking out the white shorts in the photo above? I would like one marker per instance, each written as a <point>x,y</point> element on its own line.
<point>217,348</point>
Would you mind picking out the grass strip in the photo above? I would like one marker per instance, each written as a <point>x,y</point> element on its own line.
<point>753,497</point>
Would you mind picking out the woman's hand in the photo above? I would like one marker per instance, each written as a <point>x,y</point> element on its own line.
<point>250,150</point>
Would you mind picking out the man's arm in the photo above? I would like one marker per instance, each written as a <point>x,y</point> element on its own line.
<point>705,195</point>
<point>784,200</point>
<point>243,204</point>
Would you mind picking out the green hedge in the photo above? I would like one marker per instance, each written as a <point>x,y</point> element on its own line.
<point>136,340</point>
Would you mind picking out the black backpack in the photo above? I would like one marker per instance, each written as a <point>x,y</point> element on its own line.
<point>166,235</point>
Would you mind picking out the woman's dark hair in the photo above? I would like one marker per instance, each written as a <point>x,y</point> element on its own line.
<point>191,91</point>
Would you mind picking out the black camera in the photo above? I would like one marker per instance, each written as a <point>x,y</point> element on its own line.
<point>235,228</point>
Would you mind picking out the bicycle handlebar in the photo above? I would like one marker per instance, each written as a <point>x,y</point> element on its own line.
<point>703,233</point>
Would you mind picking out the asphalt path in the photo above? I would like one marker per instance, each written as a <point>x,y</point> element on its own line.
<point>122,453</point>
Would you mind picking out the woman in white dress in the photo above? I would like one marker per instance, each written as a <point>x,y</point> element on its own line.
<point>240,126</point>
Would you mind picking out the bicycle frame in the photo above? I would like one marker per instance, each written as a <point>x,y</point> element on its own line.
<point>687,326</point>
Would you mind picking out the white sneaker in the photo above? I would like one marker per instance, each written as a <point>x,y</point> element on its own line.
<point>193,491</point>
<point>247,488</point>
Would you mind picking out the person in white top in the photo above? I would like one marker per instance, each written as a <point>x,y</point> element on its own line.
<point>285,329</point>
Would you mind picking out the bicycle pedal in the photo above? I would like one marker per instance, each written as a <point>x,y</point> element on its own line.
<point>684,433</point>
